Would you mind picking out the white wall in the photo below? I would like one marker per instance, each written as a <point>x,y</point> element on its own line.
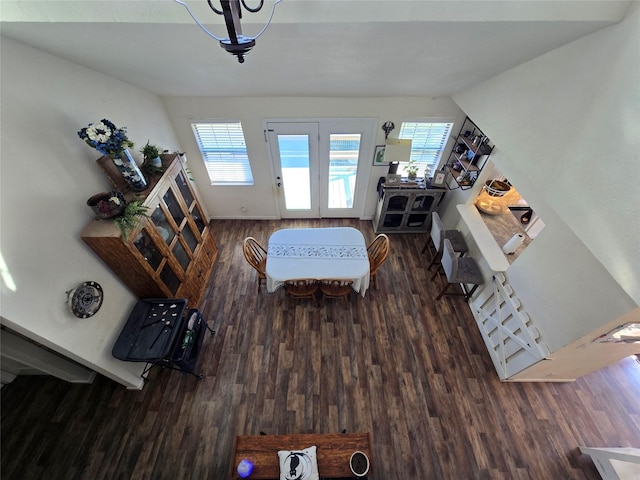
<point>567,130</point>
<point>260,199</point>
<point>47,174</point>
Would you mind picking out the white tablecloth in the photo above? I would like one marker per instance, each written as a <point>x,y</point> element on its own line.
<point>320,253</point>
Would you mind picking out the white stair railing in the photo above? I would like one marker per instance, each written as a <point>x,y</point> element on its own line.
<point>512,340</point>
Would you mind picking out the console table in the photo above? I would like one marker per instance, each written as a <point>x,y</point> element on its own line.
<point>405,209</point>
<point>333,452</point>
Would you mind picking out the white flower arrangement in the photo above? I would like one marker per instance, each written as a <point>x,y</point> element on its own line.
<point>105,137</point>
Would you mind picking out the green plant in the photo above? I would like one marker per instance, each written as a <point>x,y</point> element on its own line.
<point>131,218</point>
<point>411,167</point>
<point>149,151</point>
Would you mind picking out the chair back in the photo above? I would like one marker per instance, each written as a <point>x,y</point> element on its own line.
<point>336,288</point>
<point>301,287</point>
<point>255,254</point>
<point>378,251</point>
<point>437,229</point>
<point>449,260</point>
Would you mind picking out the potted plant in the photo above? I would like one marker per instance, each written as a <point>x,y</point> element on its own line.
<point>131,218</point>
<point>412,169</point>
<point>151,155</point>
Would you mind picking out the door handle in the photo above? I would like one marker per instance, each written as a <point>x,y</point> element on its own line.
<point>279,184</point>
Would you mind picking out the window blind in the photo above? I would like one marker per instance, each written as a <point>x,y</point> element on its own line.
<point>428,141</point>
<point>224,152</point>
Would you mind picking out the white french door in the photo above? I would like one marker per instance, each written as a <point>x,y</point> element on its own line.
<point>321,167</point>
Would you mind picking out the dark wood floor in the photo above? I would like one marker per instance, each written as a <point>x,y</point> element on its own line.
<point>413,371</point>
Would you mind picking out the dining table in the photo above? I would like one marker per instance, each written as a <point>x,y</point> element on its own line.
<point>317,253</point>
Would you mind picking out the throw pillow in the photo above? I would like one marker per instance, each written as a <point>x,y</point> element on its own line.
<point>298,464</point>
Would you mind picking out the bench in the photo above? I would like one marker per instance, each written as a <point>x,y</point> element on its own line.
<point>333,452</point>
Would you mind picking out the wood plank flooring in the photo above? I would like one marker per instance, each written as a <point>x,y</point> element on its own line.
<point>411,370</point>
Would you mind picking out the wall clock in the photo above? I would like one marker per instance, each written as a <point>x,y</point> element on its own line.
<point>85,300</point>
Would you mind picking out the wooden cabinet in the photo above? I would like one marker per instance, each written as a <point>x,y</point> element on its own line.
<point>468,156</point>
<point>173,252</point>
<point>405,210</point>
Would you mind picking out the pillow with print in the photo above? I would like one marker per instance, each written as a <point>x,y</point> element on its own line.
<point>298,464</point>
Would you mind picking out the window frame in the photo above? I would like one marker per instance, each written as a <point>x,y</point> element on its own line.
<point>442,141</point>
<point>236,169</point>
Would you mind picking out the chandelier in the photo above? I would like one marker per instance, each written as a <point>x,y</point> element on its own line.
<point>236,43</point>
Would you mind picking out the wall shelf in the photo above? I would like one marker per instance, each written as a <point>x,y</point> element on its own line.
<point>469,155</point>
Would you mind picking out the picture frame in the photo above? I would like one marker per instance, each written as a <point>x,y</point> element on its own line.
<point>392,180</point>
<point>439,179</point>
<point>378,156</point>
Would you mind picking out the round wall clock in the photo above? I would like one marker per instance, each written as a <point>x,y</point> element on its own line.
<point>85,300</point>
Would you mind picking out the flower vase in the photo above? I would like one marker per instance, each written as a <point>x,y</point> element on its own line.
<point>130,170</point>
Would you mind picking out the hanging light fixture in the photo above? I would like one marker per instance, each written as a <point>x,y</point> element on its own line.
<point>236,43</point>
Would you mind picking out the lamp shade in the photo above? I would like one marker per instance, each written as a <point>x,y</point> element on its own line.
<point>397,150</point>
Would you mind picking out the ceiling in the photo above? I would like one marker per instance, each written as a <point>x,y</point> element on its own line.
<point>318,48</point>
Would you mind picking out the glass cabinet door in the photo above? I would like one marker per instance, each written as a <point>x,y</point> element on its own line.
<point>181,255</point>
<point>189,238</point>
<point>183,186</point>
<point>174,207</point>
<point>145,245</point>
<point>169,278</point>
<point>162,225</point>
<point>198,218</point>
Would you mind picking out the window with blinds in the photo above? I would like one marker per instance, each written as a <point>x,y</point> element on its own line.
<point>428,141</point>
<point>224,152</point>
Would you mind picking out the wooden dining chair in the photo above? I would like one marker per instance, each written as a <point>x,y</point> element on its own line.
<point>256,255</point>
<point>302,288</point>
<point>378,251</point>
<point>336,289</point>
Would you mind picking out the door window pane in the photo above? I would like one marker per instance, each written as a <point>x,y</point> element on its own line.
<point>294,164</point>
<point>343,167</point>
